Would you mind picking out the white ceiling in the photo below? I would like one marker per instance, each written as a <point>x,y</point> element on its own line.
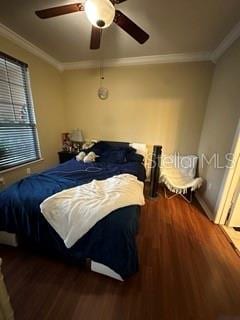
<point>185,26</point>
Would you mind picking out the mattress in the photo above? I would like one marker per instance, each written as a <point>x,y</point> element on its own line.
<point>110,242</point>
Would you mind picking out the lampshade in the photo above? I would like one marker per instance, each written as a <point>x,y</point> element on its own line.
<point>100,12</point>
<point>76,136</point>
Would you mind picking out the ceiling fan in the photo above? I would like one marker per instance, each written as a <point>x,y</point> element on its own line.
<point>101,14</point>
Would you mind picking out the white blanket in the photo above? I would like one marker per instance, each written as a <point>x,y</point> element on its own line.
<point>73,212</point>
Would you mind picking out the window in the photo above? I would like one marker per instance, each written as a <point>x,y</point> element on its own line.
<point>18,133</point>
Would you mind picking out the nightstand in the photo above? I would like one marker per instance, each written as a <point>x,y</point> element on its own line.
<point>66,155</point>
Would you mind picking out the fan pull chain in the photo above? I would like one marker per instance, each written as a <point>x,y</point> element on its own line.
<point>102,92</point>
<point>101,72</point>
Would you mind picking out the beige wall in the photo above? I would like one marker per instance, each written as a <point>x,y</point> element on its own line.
<point>154,104</point>
<point>48,102</point>
<point>221,119</point>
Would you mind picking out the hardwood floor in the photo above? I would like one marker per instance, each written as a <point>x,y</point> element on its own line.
<point>188,270</point>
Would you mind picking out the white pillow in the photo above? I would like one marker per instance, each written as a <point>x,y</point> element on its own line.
<point>90,157</point>
<point>140,148</point>
<point>80,156</point>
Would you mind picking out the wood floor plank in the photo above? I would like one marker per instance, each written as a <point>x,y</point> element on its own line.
<point>188,270</point>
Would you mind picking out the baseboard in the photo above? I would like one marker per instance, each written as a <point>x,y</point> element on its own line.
<point>204,206</point>
<point>231,238</point>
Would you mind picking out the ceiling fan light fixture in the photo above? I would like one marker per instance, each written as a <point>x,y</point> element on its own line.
<point>100,12</point>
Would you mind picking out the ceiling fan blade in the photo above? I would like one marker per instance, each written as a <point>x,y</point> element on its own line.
<point>130,27</point>
<point>117,1</point>
<point>58,11</point>
<point>95,38</point>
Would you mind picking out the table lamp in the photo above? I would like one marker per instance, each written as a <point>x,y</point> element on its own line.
<point>77,138</point>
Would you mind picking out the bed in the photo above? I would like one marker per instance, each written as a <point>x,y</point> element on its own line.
<point>109,245</point>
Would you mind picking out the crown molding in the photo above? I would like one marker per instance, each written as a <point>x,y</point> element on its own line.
<point>25,44</point>
<point>226,43</point>
<point>131,61</point>
<point>144,60</point>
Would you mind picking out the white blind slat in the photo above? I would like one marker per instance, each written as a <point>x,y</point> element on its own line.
<point>18,133</point>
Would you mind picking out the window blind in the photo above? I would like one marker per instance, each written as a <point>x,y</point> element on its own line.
<point>18,133</point>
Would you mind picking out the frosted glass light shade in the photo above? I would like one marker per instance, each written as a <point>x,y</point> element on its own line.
<point>103,93</point>
<point>76,136</point>
<point>100,12</point>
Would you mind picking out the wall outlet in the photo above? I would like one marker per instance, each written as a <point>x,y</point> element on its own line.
<point>28,171</point>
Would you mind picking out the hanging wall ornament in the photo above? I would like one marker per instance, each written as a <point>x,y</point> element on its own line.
<point>102,91</point>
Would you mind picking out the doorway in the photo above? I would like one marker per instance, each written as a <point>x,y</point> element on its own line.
<point>228,214</point>
<point>229,194</point>
<point>233,219</point>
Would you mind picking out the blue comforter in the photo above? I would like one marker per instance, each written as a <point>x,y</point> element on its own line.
<point>111,241</point>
